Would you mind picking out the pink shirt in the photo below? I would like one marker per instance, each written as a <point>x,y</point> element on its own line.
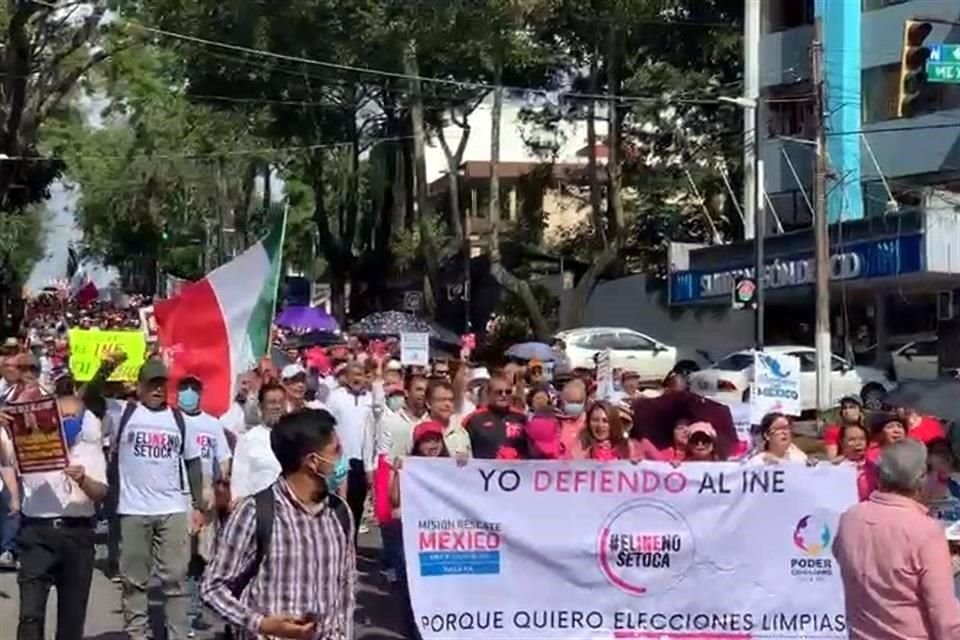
<point>896,570</point>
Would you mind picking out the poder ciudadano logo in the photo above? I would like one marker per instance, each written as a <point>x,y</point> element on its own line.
<point>645,547</point>
<point>812,536</point>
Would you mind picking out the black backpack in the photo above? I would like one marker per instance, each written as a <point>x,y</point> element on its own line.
<point>265,505</point>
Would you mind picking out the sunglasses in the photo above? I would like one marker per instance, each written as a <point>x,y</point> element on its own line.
<point>500,392</point>
<point>699,438</point>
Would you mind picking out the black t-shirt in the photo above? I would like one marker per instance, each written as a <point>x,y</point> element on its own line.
<point>496,435</point>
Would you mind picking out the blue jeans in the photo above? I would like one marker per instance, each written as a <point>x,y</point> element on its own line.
<point>9,524</point>
<point>392,535</point>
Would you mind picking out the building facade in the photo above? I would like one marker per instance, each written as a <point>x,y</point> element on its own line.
<point>893,184</point>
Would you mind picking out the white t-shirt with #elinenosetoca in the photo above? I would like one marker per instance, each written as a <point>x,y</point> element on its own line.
<point>152,474</point>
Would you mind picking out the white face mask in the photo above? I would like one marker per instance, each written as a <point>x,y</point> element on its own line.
<point>394,403</point>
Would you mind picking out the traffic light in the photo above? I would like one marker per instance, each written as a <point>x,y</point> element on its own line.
<point>914,92</point>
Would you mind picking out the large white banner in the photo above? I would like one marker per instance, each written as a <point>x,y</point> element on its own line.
<point>554,550</point>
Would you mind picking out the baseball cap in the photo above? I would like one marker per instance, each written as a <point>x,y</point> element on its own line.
<point>851,399</point>
<point>191,378</point>
<point>292,371</point>
<point>703,427</point>
<point>479,374</point>
<point>394,365</point>
<point>152,370</point>
<point>629,374</point>
<point>393,389</point>
<point>427,429</point>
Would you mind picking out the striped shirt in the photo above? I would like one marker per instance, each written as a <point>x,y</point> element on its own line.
<point>310,568</point>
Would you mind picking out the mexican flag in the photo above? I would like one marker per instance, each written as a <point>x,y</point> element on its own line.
<point>219,327</point>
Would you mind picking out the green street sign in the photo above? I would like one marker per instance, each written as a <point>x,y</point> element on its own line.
<point>943,65</point>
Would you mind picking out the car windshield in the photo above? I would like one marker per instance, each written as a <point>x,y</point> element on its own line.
<point>735,362</point>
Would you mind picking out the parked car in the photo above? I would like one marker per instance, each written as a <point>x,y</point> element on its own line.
<point>917,360</point>
<point>629,351</point>
<point>729,379</point>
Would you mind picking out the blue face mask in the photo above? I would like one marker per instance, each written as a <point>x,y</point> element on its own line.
<point>395,402</point>
<point>573,409</point>
<point>71,429</point>
<point>337,475</point>
<point>188,399</point>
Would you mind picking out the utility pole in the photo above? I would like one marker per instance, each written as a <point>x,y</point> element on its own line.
<point>751,120</point>
<point>820,228</point>
<point>760,236</point>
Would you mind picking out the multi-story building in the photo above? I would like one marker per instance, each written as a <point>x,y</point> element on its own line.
<point>893,184</point>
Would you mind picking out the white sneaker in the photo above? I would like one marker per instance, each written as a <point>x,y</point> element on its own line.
<point>7,561</point>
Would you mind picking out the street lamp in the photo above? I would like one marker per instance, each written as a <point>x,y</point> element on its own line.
<point>759,216</point>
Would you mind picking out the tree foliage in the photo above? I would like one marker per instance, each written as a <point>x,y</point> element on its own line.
<point>208,102</point>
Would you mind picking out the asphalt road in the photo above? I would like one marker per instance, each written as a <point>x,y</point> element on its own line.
<point>379,615</point>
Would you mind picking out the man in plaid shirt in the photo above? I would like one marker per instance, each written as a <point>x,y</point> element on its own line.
<point>302,584</point>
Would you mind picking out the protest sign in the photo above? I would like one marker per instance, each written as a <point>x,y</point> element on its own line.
<point>604,375</point>
<point>148,324</point>
<point>415,349</point>
<point>706,550</point>
<point>776,385</point>
<point>89,346</point>
<point>947,512</point>
<point>37,434</point>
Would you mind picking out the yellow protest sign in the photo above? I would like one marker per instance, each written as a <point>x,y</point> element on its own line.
<point>89,346</point>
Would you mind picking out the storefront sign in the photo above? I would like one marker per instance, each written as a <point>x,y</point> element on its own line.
<point>857,261</point>
<point>703,550</point>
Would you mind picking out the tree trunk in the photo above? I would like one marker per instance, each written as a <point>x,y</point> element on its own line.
<point>504,278</point>
<point>596,203</point>
<point>17,64</point>
<point>427,246</point>
<point>454,160</point>
<point>608,229</point>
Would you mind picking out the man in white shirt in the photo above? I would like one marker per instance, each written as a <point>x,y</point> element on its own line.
<point>394,433</point>
<point>255,467</point>
<point>159,471</point>
<point>293,377</point>
<point>56,539</point>
<point>215,454</point>
<point>351,406</point>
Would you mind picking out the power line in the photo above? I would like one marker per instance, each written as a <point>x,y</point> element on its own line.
<point>394,74</point>
<point>198,156</point>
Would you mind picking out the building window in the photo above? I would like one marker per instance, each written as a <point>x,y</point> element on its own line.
<point>790,118</point>
<point>788,14</point>
<point>881,91</point>
<point>871,5</point>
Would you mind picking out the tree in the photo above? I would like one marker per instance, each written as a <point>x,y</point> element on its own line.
<point>160,180</point>
<point>629,48</point>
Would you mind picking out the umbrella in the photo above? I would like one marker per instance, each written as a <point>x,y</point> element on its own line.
<point>393,323</point>
<point>654,418</point>
<point>317,338</point>
<point>307,319</point>
<point>532,351</point>
<point>937,398</point>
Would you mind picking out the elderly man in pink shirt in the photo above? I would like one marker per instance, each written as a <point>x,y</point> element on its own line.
<point>894,561</point>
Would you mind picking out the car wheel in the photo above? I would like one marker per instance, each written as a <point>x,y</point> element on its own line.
<point>685,368</point>
<point>873,396</point>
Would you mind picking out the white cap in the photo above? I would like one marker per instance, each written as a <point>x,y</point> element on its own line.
<point>394,365</point>
<point>292,371</point>
<point>479,374</point>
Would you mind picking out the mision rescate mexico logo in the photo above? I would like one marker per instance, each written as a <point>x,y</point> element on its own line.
<point>812,536</point>
<point>645,547</point>
<point>459,547</point>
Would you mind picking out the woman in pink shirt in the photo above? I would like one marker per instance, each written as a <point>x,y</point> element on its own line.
<point>853,441</point>
<point>681,436</point>
<point>893,557</point>
<point>604,438</point>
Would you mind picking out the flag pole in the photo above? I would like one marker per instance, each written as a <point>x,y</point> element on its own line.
<point>283,239</point>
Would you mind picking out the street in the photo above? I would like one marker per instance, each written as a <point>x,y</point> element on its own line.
<point>380,612</point>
